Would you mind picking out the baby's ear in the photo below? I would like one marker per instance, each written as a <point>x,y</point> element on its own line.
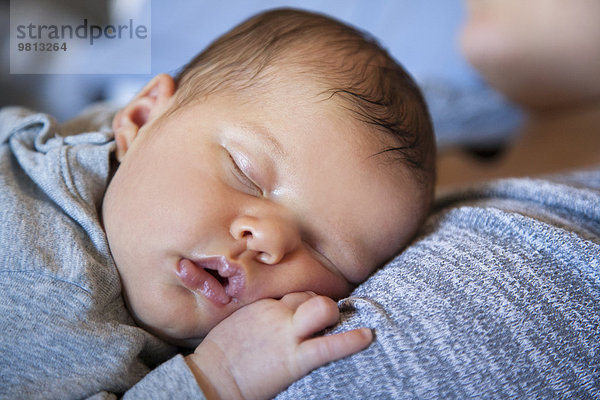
<point>147,105</point>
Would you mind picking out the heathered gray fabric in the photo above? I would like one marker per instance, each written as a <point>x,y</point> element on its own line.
<point>64,329</point>
<point>498,298</point>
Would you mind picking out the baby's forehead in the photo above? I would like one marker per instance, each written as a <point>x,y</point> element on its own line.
<point>287,89</point>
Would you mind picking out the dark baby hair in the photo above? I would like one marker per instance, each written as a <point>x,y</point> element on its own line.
<point>350,65</point>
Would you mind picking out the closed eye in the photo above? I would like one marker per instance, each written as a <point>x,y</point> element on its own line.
<point>243,178</point>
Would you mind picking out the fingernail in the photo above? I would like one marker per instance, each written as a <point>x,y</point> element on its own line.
<point>367,333</point>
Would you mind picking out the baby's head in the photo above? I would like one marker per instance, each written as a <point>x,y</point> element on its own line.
<point>293,154</point>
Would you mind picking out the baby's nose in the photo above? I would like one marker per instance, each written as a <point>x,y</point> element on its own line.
<point>271,237</point>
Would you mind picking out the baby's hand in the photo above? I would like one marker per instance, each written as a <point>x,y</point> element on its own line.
<point>262,348</point>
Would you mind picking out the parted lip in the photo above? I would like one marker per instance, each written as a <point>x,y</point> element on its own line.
<point>216,277</point>
<point>231,273</point>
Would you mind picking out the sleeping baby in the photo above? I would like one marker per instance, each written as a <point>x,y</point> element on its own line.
<point>223,213</point>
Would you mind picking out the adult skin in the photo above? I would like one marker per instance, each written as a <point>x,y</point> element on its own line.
<point>544,55</point>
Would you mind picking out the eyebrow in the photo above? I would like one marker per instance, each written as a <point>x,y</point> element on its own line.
<point>264,133</point>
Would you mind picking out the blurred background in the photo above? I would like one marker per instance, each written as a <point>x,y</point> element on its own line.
<point>420,34</point>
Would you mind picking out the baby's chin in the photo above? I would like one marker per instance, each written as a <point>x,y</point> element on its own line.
<point>171,336</point>
<point>178,340</point>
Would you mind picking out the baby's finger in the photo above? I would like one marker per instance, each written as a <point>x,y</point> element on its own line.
<point>319,351</point>
<point>293,300</point>
<point>315,314</point>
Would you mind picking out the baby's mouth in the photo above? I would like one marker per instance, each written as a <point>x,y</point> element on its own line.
<point>222,280</point>
<point>215,277</point>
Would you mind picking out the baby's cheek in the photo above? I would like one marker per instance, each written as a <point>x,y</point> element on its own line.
<point>332,286</point>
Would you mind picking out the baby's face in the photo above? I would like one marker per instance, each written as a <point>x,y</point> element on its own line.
<point>236,199</point>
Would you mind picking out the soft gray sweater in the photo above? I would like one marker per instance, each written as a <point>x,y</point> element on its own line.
<point>64,329</point>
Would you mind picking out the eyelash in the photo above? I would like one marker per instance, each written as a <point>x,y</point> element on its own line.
<point>242,177</point>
